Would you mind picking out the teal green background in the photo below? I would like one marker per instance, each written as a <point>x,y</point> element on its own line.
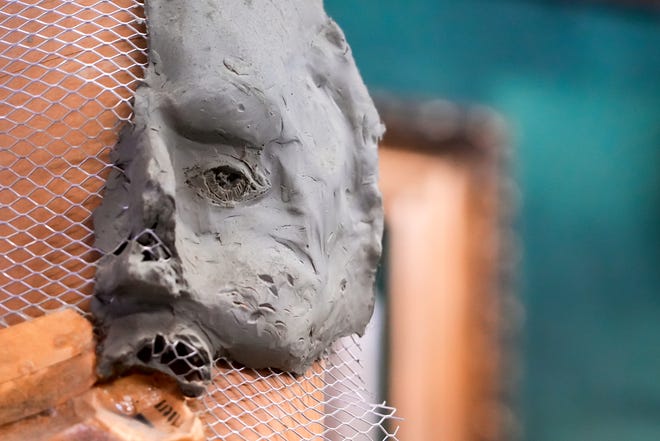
<point>580,86</point>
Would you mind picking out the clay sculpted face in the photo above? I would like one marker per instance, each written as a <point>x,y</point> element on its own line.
<point>243,218</point>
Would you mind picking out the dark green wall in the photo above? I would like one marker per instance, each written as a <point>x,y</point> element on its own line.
<point>580,86</point>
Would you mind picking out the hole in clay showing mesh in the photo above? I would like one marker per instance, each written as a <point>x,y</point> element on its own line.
<point>144,354</point>
<point>120,249</point>
<point>177,358</point>
<point>152,247</point>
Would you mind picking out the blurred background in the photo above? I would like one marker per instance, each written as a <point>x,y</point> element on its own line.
<point>520,294</point>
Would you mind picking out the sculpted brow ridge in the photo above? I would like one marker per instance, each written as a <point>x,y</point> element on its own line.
<point>209,119</point>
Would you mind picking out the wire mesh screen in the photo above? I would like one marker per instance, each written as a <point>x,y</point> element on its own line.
<point>68,71</point>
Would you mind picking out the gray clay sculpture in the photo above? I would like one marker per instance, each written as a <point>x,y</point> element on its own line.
<point>242,218</point>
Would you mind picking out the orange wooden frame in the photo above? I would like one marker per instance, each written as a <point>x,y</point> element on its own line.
<point>443,206</point>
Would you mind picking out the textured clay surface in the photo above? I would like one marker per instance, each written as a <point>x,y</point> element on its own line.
<point>243,217</point>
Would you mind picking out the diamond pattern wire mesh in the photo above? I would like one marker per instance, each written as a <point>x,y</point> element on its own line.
<point>68,71</point>
<point>329,402</point>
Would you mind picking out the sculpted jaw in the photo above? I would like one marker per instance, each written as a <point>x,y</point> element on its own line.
<point>243,217</point>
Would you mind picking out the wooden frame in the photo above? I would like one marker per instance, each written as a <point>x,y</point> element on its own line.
<point>441,178</point>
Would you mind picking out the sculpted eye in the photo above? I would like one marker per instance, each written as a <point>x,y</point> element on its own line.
<point>225,185</point>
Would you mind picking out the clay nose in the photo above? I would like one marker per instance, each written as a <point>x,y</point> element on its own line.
<point>142,270</point>
<point>152,221</point>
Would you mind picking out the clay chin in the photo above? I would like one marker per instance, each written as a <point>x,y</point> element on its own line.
<point>243,217</point>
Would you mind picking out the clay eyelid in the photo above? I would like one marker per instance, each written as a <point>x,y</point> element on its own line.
<point>231,162</point>
<point>235,163</point>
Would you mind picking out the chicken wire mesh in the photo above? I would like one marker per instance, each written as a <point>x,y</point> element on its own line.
<point>68,70</point>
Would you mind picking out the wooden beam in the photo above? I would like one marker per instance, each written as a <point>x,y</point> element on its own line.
<point>43,363</point>
<point>134,408</point>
